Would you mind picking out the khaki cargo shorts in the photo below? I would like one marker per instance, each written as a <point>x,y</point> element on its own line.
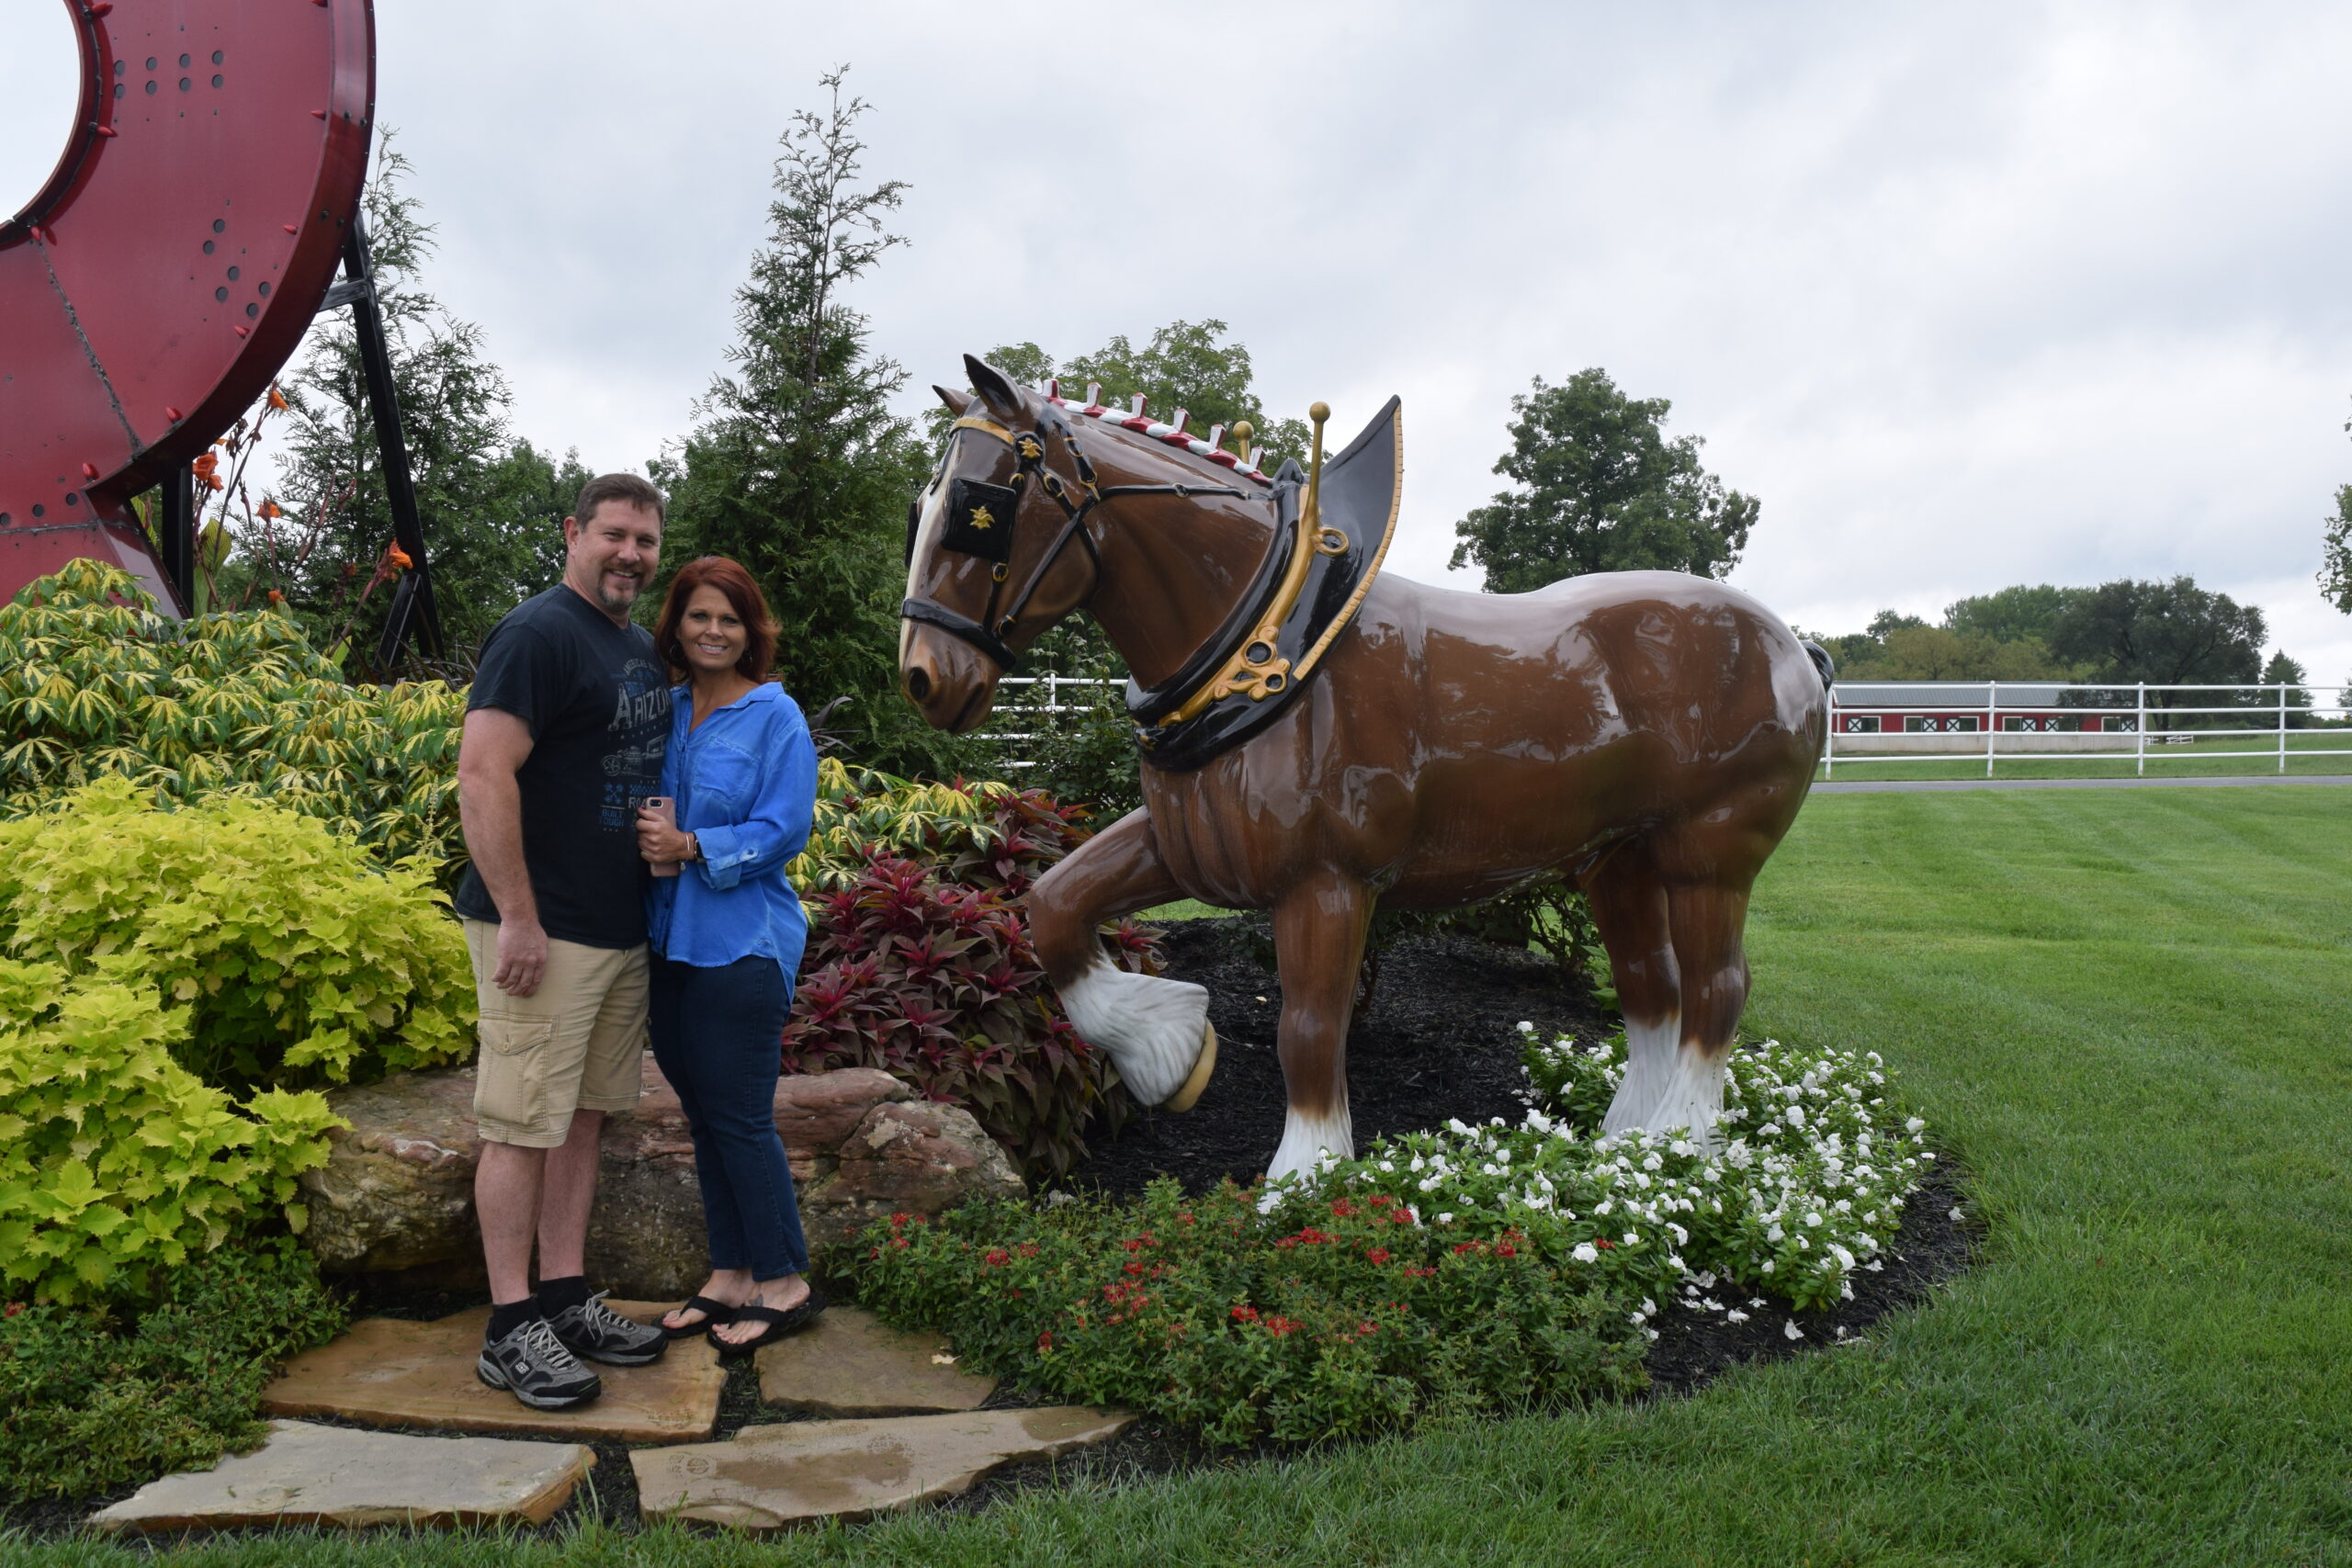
<point>573,1044</point>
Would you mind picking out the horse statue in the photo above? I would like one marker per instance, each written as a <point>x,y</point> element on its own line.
<point>1317,736</point>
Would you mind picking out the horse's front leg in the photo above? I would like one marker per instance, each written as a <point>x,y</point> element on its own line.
<point>1156,1030</point>
<point>1318,944</point>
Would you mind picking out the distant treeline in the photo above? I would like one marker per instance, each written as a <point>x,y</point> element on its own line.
<point>2118,633</point>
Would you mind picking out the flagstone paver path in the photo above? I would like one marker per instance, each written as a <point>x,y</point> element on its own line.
<point>308,1475</point>
<point>769,1477</point>
<point>847,1363</point>
<point>394,1373</point>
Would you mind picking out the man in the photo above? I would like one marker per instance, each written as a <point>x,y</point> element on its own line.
<point>563,740</point>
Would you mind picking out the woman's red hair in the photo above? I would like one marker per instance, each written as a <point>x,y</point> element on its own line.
<point>751,608</point>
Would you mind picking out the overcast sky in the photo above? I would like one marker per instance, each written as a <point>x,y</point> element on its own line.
<point>1967,296</point>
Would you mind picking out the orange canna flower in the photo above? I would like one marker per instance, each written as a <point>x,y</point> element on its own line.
<point>205,464</point>
<point>276,597</point>
<point>216,482</point>
<point>271,509</point>
<point>277,398</point>
<point>398,558</point>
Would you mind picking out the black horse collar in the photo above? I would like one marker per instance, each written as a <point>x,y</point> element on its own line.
<point>1247,676</point>
<point>1273,639</point>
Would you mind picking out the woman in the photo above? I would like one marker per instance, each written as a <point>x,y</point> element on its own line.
<point>726,932</point>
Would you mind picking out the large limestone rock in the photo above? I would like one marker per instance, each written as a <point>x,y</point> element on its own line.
<point>308,1475</point>
<point>397,1191</point>
<point>769,1477</point>
<point>397,1373</point>
<point>849,1363</point>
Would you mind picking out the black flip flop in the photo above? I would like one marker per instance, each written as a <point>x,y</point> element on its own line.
<point>714,1312</point>
<point>778,1323</point>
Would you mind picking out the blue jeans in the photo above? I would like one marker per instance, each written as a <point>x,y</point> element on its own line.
<point>717,1036</point>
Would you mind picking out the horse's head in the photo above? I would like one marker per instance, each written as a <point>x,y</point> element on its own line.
<point>997,548</point>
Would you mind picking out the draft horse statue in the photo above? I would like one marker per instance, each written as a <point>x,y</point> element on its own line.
<point>1318,737</point>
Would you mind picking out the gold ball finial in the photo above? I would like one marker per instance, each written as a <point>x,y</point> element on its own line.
<point>1318,412</point>
<point>1243,430</point>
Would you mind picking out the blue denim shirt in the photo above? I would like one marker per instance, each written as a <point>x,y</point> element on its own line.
<point>746,787</point>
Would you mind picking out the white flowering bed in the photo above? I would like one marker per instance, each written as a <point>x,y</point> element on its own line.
<point>1805,1187</point>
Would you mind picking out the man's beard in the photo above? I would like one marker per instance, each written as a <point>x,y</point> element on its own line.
<point>616,605</point>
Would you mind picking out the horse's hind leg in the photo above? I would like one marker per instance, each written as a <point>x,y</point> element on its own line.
<point>1629,905</point>
<point>1319,928</point>
<point>1706,919</point>
<point>1156,1030</point>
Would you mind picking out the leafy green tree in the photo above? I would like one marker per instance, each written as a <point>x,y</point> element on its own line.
<point>2335,551</point>
<point>2162,633</point>
<point>2002,636</point>
<point>2010,614</point>
<point>1187,365</point>
<point>797,467</point>
<point>491,505</point>
<point>1600,489</point>
<point>1087,751</point>
<point>1939,653</point>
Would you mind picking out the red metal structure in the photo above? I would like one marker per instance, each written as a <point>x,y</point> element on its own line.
<point>174,259</point>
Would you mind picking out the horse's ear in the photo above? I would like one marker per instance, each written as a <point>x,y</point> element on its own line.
<point>956,401</point>
<point>994,387</point>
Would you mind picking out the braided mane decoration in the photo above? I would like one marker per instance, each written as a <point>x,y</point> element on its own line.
<point>1173,434</point>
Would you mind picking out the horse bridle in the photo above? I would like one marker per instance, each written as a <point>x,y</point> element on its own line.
<point>969,525</point>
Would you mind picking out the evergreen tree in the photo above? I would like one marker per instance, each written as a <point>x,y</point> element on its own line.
<point>492,506</point>
<point>2284,671</point>
<point>797,467</point>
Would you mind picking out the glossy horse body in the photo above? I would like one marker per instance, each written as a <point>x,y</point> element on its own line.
<point>1649,734</point>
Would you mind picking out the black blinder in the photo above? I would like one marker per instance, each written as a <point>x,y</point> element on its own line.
<point>914,521</point>
<point>979,519</point>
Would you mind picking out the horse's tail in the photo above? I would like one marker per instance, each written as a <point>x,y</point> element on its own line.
<point>1820,660</point>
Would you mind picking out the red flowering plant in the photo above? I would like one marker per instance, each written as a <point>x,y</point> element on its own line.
<point>1356,1320</point>
<point>935,982</point>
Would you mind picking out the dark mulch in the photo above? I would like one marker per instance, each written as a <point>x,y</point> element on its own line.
<point>1439,1040</point>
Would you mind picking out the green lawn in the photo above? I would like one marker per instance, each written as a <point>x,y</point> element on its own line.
<point>2307,752</point>
<point>2127,1012</point>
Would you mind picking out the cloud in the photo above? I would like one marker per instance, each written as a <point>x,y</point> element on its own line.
<point>1968,296</point>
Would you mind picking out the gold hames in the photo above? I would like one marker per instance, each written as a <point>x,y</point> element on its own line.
<point>1259,670</point>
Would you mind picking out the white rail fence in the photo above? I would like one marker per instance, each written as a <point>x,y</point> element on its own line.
<point>1042,696</point>
<point>1910,721</point>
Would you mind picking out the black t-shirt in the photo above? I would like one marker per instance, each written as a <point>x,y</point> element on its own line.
<point>597,700</point>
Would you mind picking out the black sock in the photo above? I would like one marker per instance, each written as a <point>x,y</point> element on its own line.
<point>558,1295</point>
<point>506,1320</point>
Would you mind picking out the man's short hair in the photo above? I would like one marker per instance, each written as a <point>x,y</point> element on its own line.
<point>625,487</point>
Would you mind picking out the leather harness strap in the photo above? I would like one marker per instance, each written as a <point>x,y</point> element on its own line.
<point>990,633</point>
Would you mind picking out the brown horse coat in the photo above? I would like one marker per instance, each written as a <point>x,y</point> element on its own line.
<point>1650,734</point>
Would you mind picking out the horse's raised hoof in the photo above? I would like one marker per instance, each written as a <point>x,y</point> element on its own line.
<point>1190,1095</point>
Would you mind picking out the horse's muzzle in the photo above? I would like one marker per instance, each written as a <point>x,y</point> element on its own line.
<point>951,684</point>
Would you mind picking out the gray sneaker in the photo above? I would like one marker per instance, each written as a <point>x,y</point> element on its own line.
<point>532,1364</point>
<point>596,1332</point>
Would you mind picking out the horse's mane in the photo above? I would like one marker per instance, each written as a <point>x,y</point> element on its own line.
<point>1169,432</point>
